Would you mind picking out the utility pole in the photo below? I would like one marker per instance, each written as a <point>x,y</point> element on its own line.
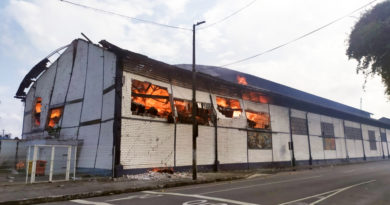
<point>194,105</point>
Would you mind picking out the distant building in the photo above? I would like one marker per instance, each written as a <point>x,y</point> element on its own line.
<point>130,113</point>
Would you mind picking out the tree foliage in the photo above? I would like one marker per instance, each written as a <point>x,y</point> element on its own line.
<point>369,43</point>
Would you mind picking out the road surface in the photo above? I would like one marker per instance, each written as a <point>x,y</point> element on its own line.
<point>365,183</point>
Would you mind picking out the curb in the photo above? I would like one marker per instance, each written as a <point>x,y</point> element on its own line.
<point>115,191</point>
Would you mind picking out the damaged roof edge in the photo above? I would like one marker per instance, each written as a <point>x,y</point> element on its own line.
<point>28,79</point>
<point>36,71</point>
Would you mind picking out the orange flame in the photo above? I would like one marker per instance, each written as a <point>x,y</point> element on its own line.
<point>230,103</point>
<point>255,97</point>
<point>241,80</point>
<point>38,109</point>
<point>261,120</point>
<point>55,115</point>
<point>162,105</point>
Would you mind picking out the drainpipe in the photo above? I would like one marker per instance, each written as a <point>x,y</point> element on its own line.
<point>291,145</point>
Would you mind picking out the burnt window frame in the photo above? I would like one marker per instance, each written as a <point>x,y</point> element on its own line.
<point>34,114</point>
<point>257,112</point>
<point>148,112</point>
<point>219,108</point>
<point>328,135</point>
<point>48,117</point>
<point>199,106</point>
<point>295,121</point>
<point>372,140</point>
<point>259,133</point>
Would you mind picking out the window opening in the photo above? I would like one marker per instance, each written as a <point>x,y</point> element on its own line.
<point>260,120</point>
<point>54,117</point>
<point>37,112</point>
<point>229,107</point>
<point>259,140</point>
<point>184,112</point>
<point>371,139</point>
<point>149,100</point>
<point>255,97</point>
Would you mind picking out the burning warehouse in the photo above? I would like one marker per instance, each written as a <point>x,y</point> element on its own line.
<point>128,113</point>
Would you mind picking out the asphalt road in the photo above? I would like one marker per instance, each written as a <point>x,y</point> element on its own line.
<point>366,183</point>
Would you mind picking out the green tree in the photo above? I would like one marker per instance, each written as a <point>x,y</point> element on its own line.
<point>369,43</point>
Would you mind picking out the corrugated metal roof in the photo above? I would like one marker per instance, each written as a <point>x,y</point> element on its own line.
<point>231,75</point>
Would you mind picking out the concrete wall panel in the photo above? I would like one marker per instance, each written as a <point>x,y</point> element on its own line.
<point>317,149</point>
<point>104,152</point>
<point>298,114</point>
<point>109,69</point>
<point>77,82</point>
<point>183,144</point>
<point>205,145</point>
<point>108,105</point>
<point>71,116</point>
<point>314,124</point>
<point>64,71</point>
<point>280,147</point>
<point>301,147</point>
<point>146,144</point>
<point>232,146</point>
<point>94,85</point>
<point>257,107</point>
<point>260,155</point>
<point>279,119</point>
<point>89,135</point>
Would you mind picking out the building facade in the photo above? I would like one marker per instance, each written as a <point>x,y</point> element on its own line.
<point>129,113</point>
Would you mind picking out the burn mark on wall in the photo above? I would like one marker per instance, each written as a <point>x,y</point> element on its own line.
<point>230,108</point>
<point>259,140</point>
<point>241,80</point>
<point>151,100</point>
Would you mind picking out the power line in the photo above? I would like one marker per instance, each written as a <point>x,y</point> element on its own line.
<point>227,17</point>
<point>300,37</point>
<point>124,16</point>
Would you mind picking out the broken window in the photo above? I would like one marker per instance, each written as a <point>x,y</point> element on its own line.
<point>329,143</point>
<point>353,133</point>
<point>255,97</point>
<point>298,126</point>
<point>37,112</point>
<point>260,120</point>
<point>229,107</point>
<point>371,139</point>
<point>259,140</point>
<point>149,100</point>
<point>54,117</point>
<point>184,112</point>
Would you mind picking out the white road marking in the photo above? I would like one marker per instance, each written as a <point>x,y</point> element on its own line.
<point>264,184</point>
<point>201,197</point>
<point>143,196</point>
<point>80,201</point>
<point>333,192</point>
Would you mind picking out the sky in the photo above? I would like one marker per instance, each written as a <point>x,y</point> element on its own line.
<point>317,64</point>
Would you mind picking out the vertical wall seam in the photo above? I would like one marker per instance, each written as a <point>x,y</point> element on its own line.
<point>51,95</point>
<point>308,139</point>
<point>101,112</point>
<point>75,44</point>
<point>175,124</point>
<point>85,84</point>
<point>272,137</point>
<point>345,142</point>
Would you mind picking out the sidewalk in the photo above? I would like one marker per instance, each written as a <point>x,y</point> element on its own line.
<point>59,191</point>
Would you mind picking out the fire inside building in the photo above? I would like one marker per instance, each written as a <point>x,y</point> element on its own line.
<point>129,113</point>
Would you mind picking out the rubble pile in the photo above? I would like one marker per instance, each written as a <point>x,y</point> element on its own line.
<point>159,175</point>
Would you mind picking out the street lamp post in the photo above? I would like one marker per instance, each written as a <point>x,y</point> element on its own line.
<point>194,105</point>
